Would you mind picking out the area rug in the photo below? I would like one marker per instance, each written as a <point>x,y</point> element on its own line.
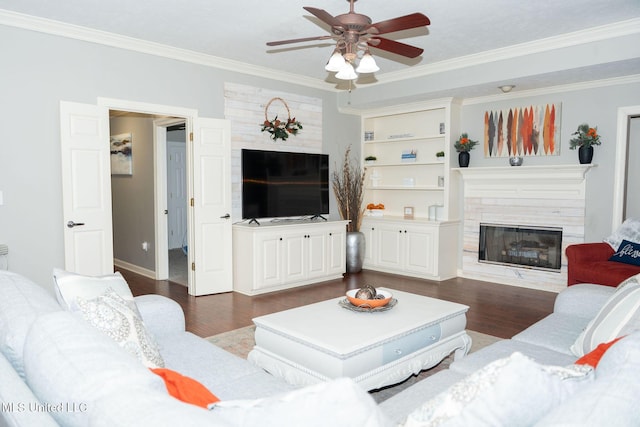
<point>241,341</point>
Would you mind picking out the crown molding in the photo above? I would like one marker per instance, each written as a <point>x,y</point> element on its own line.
<point>586,36</point>
<point>592,84</point>
<point>48,26</point>
<point>76,32</point>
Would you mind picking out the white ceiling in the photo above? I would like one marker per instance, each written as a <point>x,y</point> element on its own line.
<point>238,30</point>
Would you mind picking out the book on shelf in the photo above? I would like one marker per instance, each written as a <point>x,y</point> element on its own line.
<point>409,156</point>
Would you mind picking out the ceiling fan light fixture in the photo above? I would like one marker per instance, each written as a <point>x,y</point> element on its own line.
<point>336,62</point>
<point>346,72</point>
<point>367,64</point>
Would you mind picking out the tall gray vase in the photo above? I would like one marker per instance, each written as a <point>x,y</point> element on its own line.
<point>355,251</point>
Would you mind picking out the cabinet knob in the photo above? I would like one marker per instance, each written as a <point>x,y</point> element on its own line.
<point>281,238</point>
<point>330,234</point>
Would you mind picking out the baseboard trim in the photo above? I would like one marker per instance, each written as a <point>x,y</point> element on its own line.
<point>135,268</point>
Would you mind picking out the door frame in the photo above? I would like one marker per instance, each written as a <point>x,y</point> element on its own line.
<point>179,114</point>
<point>160,190</point>
<point>620,170</point>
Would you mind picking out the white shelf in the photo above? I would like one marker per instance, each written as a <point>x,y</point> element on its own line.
<point>405,187</point>
<point>392,164</point>
<point>405,139</point>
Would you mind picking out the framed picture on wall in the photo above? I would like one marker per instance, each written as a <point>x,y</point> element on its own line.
<point>121,151</point>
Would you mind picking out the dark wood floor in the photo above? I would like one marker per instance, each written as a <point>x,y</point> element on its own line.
<point>495,309</point>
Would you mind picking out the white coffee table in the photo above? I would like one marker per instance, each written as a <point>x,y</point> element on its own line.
<point>322,341</point>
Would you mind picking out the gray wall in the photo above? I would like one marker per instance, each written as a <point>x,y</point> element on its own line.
<point>132,196</point>
<point>39,70</point>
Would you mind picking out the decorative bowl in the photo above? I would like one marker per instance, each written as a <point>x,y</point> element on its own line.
<point>515,160</point>
<point>370,303</point>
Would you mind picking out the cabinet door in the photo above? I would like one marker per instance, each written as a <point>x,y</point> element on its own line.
<point>390,246</point>
<point>370,245</point>
<point>294,258</point>
<point>316,254</point>
<point>336,256</point>
<point>418,250</point>
<point>269,260</point>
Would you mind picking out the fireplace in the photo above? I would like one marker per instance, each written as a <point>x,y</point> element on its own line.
<point>522,246</point>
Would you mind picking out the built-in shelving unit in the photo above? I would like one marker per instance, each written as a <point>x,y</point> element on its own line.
<point>407,173</point>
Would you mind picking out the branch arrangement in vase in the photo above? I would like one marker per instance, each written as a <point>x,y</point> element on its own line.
<point>348,185</point>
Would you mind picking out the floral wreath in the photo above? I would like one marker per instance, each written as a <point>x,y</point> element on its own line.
<point>277,128</point>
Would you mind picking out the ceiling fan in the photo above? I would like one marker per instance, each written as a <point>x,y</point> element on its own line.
<point>355,32</point>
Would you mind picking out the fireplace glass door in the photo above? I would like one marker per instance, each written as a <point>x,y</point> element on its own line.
<point>523,246</point>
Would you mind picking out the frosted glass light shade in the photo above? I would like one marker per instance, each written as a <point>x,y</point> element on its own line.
<point>367,64</point>
<point>336,62</point>
<point>347,72</point>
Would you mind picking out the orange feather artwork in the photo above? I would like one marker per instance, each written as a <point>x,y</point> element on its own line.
<point>531,130</point>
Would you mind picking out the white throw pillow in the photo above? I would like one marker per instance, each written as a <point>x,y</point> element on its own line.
<point>628,230</point>
<point>120,320</point>
<point>614,319</point>
<point>514,391</point>
<point>69,286</point>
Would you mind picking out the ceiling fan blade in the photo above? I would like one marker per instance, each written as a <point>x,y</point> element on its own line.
<point>406,22</point>
<point>324,16</point>
<point>395,47</point>
<point>304,39</point>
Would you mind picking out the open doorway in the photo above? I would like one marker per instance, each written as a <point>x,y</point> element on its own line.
<point>149,200</point>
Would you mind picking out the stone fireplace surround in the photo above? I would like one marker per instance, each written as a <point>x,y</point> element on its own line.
<point>538,196</point>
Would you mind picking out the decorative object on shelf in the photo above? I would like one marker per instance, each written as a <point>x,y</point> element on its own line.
<point>409,156</point>
<point>368,135</point>
<point>440,155</point>
<point>516,160</point>
<point>585,137</point>
<point>441,128</point>
<point>348,185</point>
<point>440,180</point>
<point>436,212</point>
<point>369,160</point>
<point>533,130</point>
<point>463,145</point>
<point>280,129</point>
<point>375,210</point>
<point>354,33</point>
<point>408,212</point>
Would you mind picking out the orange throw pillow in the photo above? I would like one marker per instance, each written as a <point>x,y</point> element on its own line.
<point>185,389</point>
<point>593,358</point>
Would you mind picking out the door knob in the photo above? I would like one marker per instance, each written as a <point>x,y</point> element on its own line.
<point>72,224</point>
<point>227,216</point>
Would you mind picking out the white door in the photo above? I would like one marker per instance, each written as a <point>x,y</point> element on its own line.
<point>86,188</point>
<point>177,194</point>
<point>211,259</point>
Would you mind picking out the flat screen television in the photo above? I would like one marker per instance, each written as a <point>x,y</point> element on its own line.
<point>283,184</point>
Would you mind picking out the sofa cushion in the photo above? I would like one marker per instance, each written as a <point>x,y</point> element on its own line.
<point>21,302</point>
<point>622,308</point>
<point>557,331</point>
<point>628,230</point>
<point>335,403</point>
<point>119,319</point>
<point>612,400</point>
<point>69,286</point>
<point>627,253</point>
<point>514,391</point>
<point>68,362</point>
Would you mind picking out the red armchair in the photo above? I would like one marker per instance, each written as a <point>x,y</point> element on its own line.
<point>589,263</point>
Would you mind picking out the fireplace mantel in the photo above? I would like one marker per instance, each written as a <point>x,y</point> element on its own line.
<point>548,181</point>
<point>542,196</point>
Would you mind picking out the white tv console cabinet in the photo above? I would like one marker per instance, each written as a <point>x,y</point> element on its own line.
<point>281,255</point>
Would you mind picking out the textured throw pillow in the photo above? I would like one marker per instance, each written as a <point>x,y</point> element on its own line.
<point>186,388</point>
<point>514,391</point>
<point>120,320</point>
<point>628,253</point>
<point>70,286</point>
<point>628,230</point>
<point>621,310</point>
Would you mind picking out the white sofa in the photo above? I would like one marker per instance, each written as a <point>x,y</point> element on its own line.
<point>56,369</point>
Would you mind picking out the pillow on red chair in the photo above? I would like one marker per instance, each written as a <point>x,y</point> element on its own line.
<point>628,253</point>
<point>185,388</point>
